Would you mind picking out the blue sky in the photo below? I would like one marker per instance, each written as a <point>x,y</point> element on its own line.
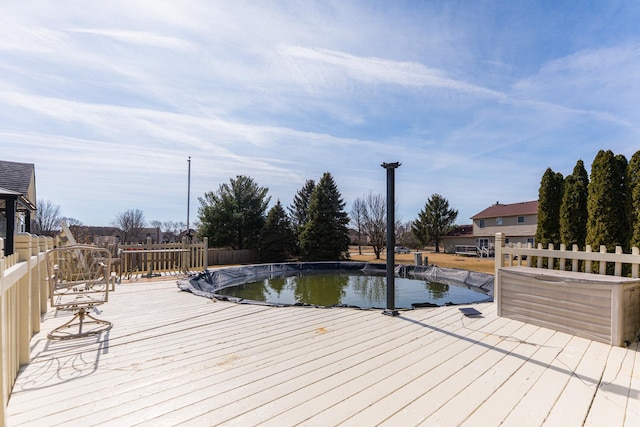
<point>476,99</point>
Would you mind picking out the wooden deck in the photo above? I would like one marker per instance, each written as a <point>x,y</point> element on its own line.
<point>176,359</point>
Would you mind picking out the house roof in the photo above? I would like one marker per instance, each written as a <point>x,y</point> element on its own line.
<point>461,230</point>
<point>7,192</point>
<point>513,209</point>
<point>19,178</point>
<point>16,176</point>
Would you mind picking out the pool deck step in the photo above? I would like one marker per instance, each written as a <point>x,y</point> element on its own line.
<point>173,358</point>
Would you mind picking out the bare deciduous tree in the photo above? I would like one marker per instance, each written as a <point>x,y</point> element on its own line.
<point>130,223</point>
<point>357,217</point>
<point>374,221</point>
<point>46,222</point>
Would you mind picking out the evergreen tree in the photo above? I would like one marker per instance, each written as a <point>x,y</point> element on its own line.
<point>325,236</point>
<point>573,209</point>
<point>549,201</point>
<point>299,211</point>
<point>276,237</point>
<point>607,210</point>
<point>434,221</point>
<point>235,214</point>
<point>633,203</point>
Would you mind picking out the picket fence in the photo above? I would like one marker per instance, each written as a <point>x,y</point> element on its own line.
<point>587,261</point>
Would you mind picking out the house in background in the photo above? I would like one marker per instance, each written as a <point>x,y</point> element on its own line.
<point>518,222</point>
<point>17,200</point>
<point>460,236</point>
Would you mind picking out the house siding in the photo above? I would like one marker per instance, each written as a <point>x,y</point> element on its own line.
<point>518,232</point>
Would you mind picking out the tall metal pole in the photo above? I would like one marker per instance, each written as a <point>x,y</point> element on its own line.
<point>188,196</point>
<point>391,197</point>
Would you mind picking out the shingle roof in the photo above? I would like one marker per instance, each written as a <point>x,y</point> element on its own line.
<point>513,209</point>
<point>16,176</point>
<point>461,230</point>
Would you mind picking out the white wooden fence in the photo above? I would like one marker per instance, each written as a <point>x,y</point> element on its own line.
<point>511,255</point>
<point>23,298</point>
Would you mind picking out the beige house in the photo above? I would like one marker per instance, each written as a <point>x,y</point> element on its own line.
<point>518,221</point>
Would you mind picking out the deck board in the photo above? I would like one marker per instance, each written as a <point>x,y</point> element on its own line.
<point>176,359</point>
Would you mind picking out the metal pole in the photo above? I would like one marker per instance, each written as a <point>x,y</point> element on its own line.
<point>188,196</point>
<point>391,284</point>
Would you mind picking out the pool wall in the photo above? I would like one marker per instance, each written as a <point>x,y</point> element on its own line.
<point>207,283</point>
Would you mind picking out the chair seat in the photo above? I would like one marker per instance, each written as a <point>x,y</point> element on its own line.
<point>79,278</point>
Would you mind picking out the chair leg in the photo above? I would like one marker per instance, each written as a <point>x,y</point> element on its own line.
<point>78,324</point>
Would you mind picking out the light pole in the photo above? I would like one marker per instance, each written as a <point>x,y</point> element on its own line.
<point>391,284</point>
<point>188,196</point>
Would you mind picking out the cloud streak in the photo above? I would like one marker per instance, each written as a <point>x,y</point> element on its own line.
<point>123,92</point>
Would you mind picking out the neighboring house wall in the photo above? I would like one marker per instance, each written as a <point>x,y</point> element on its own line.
<point>519,221</point>
<point>450,243</point>
<point>461,235</point>
<point>523,232</point>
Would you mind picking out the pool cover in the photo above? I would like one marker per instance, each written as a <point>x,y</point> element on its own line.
<point>207,283</point>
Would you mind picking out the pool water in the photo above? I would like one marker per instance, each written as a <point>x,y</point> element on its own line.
<point>351,290</point>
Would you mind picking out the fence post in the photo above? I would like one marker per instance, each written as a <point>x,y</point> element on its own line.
<point>44,283</point>
<point>587,263</point>
<point>205,253</point>
<point>550,260</point>
<point>186,265</point>
<point>23,249</point>
<point>3,345</point>
<point>539,258</point>
<point>603,264</point>
<point>562,260</point>
<point>149,257</point>
<point>618,265</point>
<point>574,261</point>
<point>36,277</point>
<point>498,254</point>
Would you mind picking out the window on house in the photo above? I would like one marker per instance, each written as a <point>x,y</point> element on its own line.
<point>483,243</point>
<point>481,223</point>
<point>520,219</point>
<point>498,221</point>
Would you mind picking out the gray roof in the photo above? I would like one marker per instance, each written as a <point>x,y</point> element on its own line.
<point>16,176</point>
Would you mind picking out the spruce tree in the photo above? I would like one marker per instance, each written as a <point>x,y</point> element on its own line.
<point>325,236</point>
<point>607,211</point>
<point>573,210</point>
<point>276,237</point>
<point>234,215</point>
<point>549,201</point>
<point>434,221</point>
<point>299,211</point>
<point>633,201</point>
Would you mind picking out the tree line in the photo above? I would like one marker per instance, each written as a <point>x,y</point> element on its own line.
<point>315,227</point>
<point>129,224</point>
<point>595,210</point>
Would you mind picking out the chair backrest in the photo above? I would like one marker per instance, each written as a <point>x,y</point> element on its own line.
<point>79,276</point>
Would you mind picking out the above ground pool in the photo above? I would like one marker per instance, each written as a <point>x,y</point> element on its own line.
<point>341,284</point>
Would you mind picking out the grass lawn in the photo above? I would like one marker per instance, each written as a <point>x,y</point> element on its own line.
<point>484,265</point>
